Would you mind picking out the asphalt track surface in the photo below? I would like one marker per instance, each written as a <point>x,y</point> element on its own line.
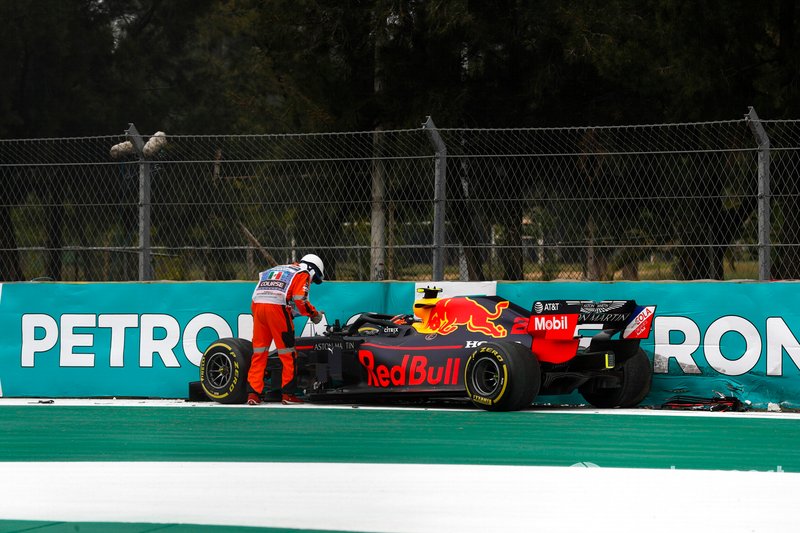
<point>173,466</point>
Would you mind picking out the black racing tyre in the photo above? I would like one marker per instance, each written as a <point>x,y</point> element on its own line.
<point>636,376</point>
<point>502,376</point>
<point>223,370</point>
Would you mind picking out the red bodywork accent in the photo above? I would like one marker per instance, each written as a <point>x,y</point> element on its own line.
<point>554,337</point>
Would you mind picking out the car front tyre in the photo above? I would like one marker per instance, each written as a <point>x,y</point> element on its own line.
<point>223,370</point>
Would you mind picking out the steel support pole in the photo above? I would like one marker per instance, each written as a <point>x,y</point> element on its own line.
<point>439,199</point>
<point>378,213</point>
<point>145,255</point>
<point>764,245</point>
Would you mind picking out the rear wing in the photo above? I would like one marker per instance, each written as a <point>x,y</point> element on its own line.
<point>626,316</point>
<point>555,325</point>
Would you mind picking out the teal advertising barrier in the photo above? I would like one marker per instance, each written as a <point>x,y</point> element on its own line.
<point>137,339</point>
<point>146,339</point>
<point>709,338</point>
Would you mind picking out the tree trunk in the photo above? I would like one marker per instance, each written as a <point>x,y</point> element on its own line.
<point>55,224</point>
<point>511,253</point>
<point>378,212</point>
<point>464,215</point>
<point>10,268</point>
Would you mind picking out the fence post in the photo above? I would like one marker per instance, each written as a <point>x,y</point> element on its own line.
<point>439,199</point>
<point>378,211</point>
<point>145,265</point>
<point>764,246</point>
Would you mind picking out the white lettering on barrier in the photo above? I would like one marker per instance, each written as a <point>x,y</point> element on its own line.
<point>676,337</point>
<point>158,334</point>
<point>713,342</point>
<point>779,338</point>
<point>585,332</point>
<point>682,351</point>
<point>205,320</point>
<point>149,345</point>
<point>30,344</point>
<point>782,339</point>
<point>70,339</point>
<point>245,326</point>
<point>117,324</point>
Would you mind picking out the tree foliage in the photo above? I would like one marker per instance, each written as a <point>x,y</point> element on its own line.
<point>310,65</point>
<point>280,66</point>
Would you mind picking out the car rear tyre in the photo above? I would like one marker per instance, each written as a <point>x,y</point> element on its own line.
<point>223,370</point>
<point>502,376</point>
<point>635,384</point>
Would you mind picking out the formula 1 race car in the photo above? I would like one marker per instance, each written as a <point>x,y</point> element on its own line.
<point>487,349</point>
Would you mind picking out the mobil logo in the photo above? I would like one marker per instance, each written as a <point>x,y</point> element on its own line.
<point>550,322</point>
<point>555,326</point>
<point>450,313</point>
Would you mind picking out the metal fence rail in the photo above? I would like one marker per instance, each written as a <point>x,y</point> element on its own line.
<point>714,200</point>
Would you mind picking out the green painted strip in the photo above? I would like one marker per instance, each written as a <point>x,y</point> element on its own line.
<point>56,433</point>
<point>32,526</point>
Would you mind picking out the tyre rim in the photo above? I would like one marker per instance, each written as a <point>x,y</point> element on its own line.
<point>486,376</point>
<point>219,369</point>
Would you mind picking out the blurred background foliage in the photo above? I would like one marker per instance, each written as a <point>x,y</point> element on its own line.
<point>88,67</point>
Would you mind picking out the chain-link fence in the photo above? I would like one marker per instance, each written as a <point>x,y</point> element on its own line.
<point>714,200</point>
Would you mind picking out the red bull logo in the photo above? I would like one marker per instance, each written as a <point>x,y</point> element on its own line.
<point>451,313</point>
<point>412,370</point>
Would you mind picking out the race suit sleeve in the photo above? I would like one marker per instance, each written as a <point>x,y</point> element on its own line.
<point>298,294</point>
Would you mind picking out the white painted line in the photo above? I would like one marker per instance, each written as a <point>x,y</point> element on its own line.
<point>576,410</point>
<point>401,498</point>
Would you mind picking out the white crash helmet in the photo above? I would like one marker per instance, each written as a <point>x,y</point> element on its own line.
<point>315,266</point>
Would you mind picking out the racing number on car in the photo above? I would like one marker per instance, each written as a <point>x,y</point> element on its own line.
<point>520,326</point>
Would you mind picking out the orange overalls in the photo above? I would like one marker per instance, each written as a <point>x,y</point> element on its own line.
<point>277,289</point>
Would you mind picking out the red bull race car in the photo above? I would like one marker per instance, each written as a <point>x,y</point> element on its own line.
<point>495,353</point>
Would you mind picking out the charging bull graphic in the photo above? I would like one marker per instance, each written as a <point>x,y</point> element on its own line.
<point>450,313</point>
